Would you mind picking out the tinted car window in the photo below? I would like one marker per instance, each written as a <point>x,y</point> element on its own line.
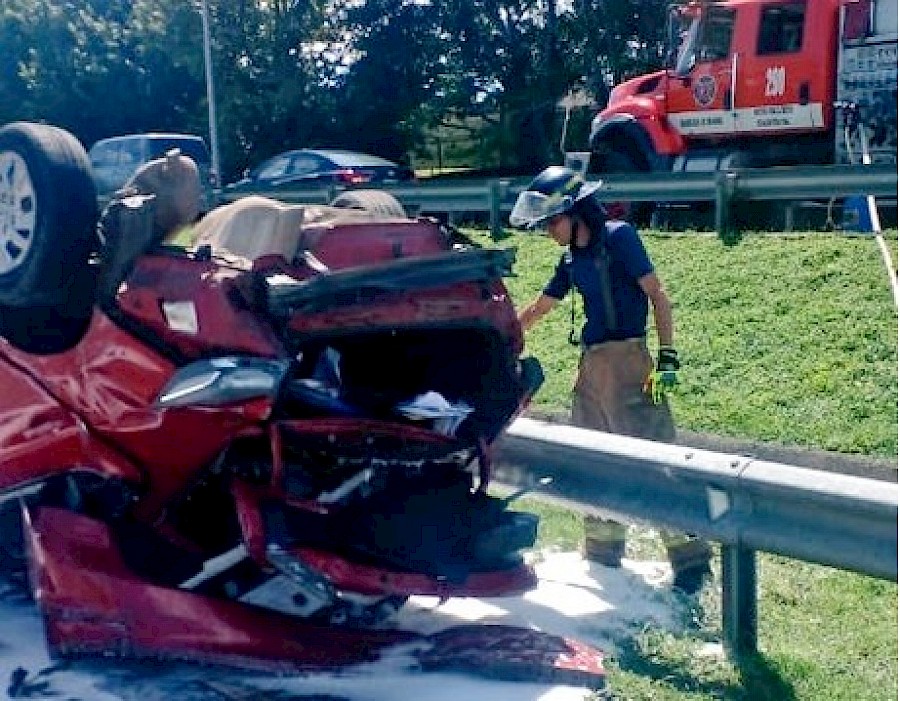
<point>715,40</point>
<point>194,148</point>
<point>131,153</point>
<point>357,159</point>
<point>116,159</point>
<point>273,168</point>
<point>304,163</point>
<point>781,29</point>
<point>104,155</point>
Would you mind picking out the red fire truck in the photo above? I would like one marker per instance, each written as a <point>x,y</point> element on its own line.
<point>757,83</point>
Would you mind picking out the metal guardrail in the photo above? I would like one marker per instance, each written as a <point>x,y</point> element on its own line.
<point>495,197</point>
<point>747,505</point>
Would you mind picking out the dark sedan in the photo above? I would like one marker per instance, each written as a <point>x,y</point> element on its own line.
<point>321,167</point>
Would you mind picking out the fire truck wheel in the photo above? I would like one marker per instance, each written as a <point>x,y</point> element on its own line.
<point>48,215</point>
<point>376,202</point>
<point>618,161</point>
<point>738,159</point>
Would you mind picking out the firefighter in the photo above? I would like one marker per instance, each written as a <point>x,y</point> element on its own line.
<point>618,388</point>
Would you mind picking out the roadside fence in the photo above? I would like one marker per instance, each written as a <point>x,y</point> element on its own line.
<point>747,505</point>
<point>726,189</point>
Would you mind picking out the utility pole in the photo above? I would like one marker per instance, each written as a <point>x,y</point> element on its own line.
<point>210,92</point>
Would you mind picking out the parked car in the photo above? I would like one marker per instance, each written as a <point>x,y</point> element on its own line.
<point>115,159</point>
<point>320,167</point>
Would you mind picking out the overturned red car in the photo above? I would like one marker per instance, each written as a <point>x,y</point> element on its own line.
<point>253,449</point>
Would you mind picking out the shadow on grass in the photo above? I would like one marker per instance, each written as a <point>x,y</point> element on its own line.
<point>501,236</point>
<point>759,680</point>
<point>762,681</point>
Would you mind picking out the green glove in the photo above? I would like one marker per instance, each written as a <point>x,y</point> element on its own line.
<point>664,377</point>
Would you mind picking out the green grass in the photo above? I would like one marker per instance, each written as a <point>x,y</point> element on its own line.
<point>791,339</point>
<point>824,634</point>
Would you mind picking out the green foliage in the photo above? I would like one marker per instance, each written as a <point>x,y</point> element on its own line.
<point>397,54</point>
<point>271,83</point>
<point>98,68</point>
<point>791,339</point>
<point>378,75</point>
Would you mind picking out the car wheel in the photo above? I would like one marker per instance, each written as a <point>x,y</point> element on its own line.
<point>48,215</point>
<point>372,201</point>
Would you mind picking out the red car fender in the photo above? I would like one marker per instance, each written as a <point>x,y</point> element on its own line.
<point>108,382</point>
<point>159,282</point>
<point>39,437</point>
<point>93,605</point>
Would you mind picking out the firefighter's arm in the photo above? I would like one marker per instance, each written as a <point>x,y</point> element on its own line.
<point>662,309</point>
<point>663,377</point>
<point>531,314</point>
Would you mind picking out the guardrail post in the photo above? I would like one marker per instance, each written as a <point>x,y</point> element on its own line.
<point>497,191</point>
<point>739,619</point>
<point>726,186</point>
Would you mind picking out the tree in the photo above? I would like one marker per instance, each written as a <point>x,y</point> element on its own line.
<point>496,69</point>
<point>98,68</point>
<point>382,72</point>
<point>374,75</point>
<point>273,90</point>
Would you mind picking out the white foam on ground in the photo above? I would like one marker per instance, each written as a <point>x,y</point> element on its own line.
<point>577,599</point>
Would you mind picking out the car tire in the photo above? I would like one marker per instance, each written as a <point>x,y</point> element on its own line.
<point>46,329</point>
<point>48,215</point>
<point>372,201</point>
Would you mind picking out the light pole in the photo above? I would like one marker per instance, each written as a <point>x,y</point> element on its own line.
<point>210,92</point>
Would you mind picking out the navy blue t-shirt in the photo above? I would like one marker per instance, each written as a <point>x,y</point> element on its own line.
<point>628,262</point>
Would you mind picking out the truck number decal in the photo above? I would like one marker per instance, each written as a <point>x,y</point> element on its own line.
<point>775,80</point>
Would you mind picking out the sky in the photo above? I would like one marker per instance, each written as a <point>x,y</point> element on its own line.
<point>577,599</point>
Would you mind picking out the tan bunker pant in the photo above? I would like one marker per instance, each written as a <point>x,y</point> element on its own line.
<point>609,396</point>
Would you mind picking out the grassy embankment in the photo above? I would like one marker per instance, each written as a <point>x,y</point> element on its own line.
<point>791,339</point>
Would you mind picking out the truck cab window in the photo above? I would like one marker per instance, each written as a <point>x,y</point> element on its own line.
<point>781,29</point>
<point>686,55</point>
<point>715,36</point>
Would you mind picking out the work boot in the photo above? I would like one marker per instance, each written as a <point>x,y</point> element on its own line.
<point>690,558</point>
<point>604,541</point>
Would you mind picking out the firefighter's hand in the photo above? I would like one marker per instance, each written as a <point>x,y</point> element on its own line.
<point>664,377</point>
